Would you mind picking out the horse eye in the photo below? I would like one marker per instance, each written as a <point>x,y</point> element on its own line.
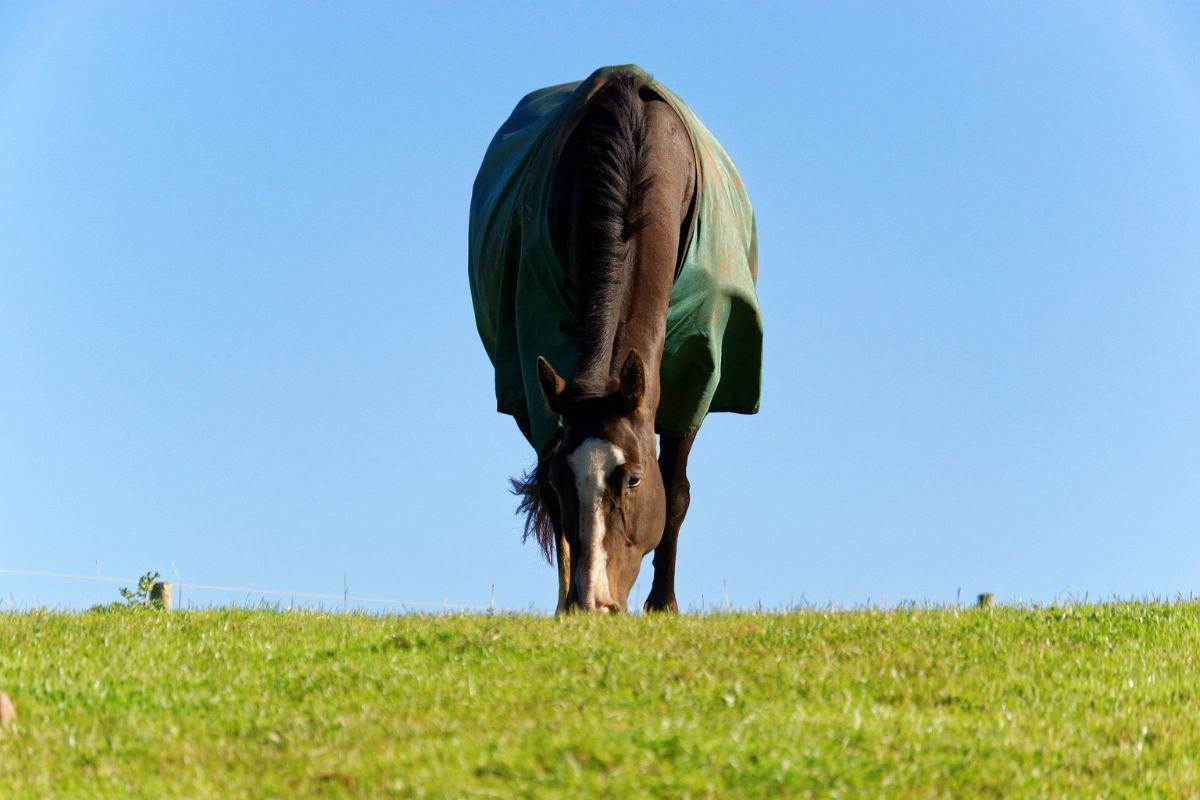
<point>633,480</point>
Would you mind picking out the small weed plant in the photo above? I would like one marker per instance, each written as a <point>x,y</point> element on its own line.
<point>139,598</point>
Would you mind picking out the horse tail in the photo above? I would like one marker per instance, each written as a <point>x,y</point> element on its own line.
<point>536,507</point>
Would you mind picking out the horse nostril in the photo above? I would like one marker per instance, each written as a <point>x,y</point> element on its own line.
<point>601,606</point>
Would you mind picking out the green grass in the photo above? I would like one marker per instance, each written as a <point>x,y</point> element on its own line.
<point>1082,701</point>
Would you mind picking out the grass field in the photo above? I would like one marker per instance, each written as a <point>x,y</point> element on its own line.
<point>1079,701</point>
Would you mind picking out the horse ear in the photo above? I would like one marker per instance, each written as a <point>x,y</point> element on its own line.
<point>552,385</point>
<point>633,381</point>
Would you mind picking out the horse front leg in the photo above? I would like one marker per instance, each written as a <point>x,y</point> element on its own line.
<point>564,572</point>
<point>561,545</point>
<point>549,501</point>
<point>672,461</point>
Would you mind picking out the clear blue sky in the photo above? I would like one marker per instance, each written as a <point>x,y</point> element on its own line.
<point>236,333</point>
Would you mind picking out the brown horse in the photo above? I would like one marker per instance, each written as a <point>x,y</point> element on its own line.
<point>621,215</point>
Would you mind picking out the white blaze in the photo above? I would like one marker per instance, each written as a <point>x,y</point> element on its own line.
<point>591,463</point>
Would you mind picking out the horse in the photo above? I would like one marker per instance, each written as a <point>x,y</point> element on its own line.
<point>613,265</point>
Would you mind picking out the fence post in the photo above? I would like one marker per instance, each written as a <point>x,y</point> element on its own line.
<point>987,600</point>
<point>161,592</point>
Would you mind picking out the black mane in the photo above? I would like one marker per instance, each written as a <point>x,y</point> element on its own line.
<point>612,183</point>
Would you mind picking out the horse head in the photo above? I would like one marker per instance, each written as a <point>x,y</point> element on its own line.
<point>607,481</point>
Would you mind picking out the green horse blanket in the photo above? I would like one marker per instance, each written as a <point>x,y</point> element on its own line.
<point>713,355</point>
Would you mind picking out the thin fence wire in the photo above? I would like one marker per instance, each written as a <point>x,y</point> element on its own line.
<point>344,598</point>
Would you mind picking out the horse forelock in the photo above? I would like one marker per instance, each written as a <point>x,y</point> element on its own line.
<point>530,487</point>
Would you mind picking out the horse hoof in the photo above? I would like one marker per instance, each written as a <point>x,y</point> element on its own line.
<point>655,605</point>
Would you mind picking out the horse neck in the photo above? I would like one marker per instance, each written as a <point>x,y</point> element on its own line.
<point>642,324</point>
<point>634,307</point>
